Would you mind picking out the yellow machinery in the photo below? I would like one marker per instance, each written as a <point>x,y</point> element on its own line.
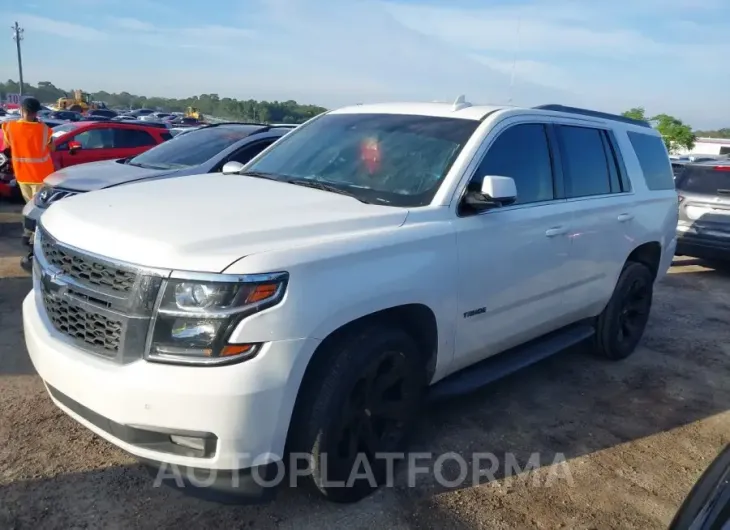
<point>81,102</point>
<point>192,112</point>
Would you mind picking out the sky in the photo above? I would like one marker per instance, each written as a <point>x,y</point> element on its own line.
<point>669,56</point>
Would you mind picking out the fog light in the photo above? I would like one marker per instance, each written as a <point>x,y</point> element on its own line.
<point>191,442</point>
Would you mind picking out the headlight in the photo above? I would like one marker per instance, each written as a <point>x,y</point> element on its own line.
<point>196,314</point>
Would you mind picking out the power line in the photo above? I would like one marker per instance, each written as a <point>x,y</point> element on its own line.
<point>17,37</point>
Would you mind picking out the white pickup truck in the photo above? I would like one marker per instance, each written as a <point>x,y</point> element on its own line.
<point>375,257</point>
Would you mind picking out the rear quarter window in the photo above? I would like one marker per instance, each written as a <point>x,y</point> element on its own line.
<point>654,160</point>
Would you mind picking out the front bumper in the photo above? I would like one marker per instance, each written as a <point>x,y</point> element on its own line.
<point>245,407</point>
<point>31,214</point>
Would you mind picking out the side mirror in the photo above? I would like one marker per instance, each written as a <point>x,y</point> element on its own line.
<point>73,146</point>
<point>230,168</point>
<point>495,192</point>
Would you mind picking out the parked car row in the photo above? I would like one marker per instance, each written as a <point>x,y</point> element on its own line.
<point>315,296</point>
<point>81,142</point>
<point>115,162</point>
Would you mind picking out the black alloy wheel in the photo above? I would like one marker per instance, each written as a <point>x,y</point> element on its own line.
<point>635,308</point>
<point>360,403</point>
<point>621,325</point>
<point>377,409</point>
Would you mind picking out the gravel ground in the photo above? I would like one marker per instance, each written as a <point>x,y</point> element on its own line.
<point>635,435</point>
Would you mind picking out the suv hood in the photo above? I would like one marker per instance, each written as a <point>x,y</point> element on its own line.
<point>205,225</point>
<point>98,175</point>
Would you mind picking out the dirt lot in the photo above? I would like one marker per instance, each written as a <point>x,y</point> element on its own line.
<point>635,436</point>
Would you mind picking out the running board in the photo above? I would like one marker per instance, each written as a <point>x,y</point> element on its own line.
<point>493,368</point>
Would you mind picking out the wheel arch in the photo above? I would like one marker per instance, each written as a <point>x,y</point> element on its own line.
<point>648,254</point>
<point>417,319</point>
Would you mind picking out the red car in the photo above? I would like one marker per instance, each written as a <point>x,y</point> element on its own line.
<point>82,142</point>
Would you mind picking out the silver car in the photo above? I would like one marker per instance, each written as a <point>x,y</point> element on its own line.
<point>205,149</point>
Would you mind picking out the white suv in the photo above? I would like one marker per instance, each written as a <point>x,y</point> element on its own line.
<point>376,256</point>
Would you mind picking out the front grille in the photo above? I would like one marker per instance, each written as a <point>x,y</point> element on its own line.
<point>87,269</point>
<point>101,333</point>
<point>48,196</point>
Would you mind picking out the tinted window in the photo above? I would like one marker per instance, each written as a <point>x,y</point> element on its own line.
<point>247,153</point>
<point>192,148</point>
<point>102,138</point>
<point>380,158</point>
<point>654,161</point>
<point>584,161</point>
<point>126,138</point>
<point>704,180</point>
<point>521,152</point>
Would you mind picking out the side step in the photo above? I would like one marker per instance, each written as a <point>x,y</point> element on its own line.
<point>489,370</point>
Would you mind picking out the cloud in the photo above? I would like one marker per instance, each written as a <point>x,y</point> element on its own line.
<point>58,28</point>
<point>131,24</point>
<point>210,37</point>
<point>537,72</point>
<point>665,55</point>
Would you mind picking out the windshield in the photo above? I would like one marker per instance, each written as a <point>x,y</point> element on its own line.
<point>60,130</point>
<point>392,159</point>
<point>705,180</point>
<point>191,149</point>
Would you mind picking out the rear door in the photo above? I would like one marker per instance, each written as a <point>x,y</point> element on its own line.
<point>131,142</point>
<point>704,194</point>
<point>603,209</point>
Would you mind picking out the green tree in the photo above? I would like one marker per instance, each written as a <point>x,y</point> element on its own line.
<point>676,134</point>
<point>637,113</point>
<point>208,104</point>
<point>719,133</point>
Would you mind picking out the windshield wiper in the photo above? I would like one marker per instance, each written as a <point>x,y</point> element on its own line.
<point>316,184</point>
<point>261,175</point>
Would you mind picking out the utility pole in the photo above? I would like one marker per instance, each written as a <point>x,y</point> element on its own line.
<point>17,37</point>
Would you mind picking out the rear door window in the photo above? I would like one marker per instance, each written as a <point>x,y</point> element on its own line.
<point>128,138</point>
<point>654,161</point>
<point>585,161</point>
<point>705,180</point>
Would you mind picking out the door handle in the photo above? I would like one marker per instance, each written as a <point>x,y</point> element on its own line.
<point>556,231</point>
<point>625,217</point>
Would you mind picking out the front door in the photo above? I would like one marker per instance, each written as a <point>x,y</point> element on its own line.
<point>513,260</point>
<point>96,144</point>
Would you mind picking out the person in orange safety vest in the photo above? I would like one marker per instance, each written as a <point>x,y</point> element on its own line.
<point>30,144</point>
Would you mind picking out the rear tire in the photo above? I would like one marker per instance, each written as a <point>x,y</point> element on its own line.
<point>364,401</point>
<point>621,325</point>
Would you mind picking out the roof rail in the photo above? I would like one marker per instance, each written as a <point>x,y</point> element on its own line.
<point>593,113</point>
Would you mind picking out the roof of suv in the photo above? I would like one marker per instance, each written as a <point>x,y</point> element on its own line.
<point>464,110</point>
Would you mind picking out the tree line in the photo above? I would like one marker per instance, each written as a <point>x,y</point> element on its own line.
<point>677,134</point>
<point>209,104</point>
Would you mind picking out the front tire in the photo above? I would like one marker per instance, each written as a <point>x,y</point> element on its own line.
<point>364,401</point>
<point>621,325</point>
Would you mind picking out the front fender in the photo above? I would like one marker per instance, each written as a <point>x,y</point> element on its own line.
<point>329,290</point>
